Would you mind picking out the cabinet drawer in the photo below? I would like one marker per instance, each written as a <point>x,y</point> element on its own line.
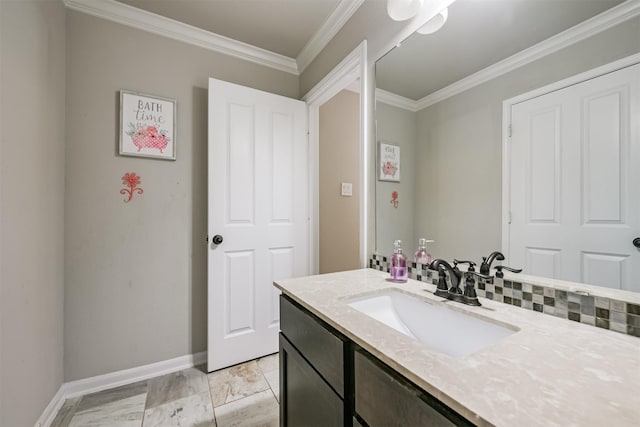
<point>309,335</point>
<point>384,398</point>
<point>305,399</point>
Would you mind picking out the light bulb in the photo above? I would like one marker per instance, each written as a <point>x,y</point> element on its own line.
<point>435,23</point>
<point>401,10</point>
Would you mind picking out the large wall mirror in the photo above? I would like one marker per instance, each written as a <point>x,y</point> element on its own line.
<point>440,99</point>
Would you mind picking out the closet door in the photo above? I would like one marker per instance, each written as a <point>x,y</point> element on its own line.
<point>575,182</point>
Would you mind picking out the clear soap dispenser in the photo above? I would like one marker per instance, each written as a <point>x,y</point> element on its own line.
<point>399,272</point>
<point>422,256</point>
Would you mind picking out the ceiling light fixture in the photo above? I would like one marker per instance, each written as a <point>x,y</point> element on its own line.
<point>435,23</point>
<point>401,10</point>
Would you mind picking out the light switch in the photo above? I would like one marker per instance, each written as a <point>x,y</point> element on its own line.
<point>347,189</point>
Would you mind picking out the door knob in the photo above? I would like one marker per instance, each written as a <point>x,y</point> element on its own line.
<point>217,239</point>
<point>636,242</point>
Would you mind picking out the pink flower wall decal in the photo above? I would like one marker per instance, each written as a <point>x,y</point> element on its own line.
<point>131,180</point>
<point>394,199</point>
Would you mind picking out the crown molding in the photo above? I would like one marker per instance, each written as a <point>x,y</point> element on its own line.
<point>140,19</point>
<point>342,74</point>
<point>340,15</point>
<point>354,87</point>
<point>396,100</point>
<point>588,28</point>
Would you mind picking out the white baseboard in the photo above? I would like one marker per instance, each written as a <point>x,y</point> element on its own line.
<point>115,379</point>
<point>128,376</point>
<point>52,409</point>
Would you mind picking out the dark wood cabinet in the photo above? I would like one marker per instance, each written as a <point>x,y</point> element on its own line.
<point>305,398</point>
<point>317,342</point>
<point>385,399</point>
<point>326,380</point>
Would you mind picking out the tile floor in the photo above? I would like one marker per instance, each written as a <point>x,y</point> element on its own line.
<point>244,395</point>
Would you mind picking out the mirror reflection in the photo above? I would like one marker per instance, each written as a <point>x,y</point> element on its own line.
<point>568,206</point>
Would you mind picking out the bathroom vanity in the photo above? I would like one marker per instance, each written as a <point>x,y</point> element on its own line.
<point>323,375</point>
<point>340,366</point>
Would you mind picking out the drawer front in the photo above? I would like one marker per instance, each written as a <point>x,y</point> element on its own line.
<point>383,398</point>
<point>323,349</point>
<point>305,399</point>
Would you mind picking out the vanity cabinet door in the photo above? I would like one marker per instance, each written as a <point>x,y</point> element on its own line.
<point>315,341</point>
<point>383,398</point>
<point>305,398</point>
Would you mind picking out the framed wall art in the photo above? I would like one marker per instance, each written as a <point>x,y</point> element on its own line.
<point>147,126</point>
<point>388,162</point>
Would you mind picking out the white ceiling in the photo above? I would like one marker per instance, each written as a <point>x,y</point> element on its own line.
<point>280,26</point>
<point>477,34</point>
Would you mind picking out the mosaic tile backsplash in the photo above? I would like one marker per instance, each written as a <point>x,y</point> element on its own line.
<point>605,313</point>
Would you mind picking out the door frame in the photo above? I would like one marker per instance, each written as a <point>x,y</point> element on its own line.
<point>352,67</point>
<point>506,125</point>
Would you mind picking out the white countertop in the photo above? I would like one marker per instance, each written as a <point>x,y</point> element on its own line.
<point>552,372</point>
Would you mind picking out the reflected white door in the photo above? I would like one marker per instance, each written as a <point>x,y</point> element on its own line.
<point>258,203</point>
<point>575,182</point>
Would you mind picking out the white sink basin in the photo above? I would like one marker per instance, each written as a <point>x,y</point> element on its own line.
<point>434,324</point>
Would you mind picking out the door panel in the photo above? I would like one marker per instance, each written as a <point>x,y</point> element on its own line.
<point>282,260</point>
<point>605,269</point>
<point>241,151</point>
<point>544,262</point>
<point>258,202</point>
<point>239,292</point>
<point>575,182</point>
<point>543,169</point>
<point>602,147</point>
<point>282,157</point>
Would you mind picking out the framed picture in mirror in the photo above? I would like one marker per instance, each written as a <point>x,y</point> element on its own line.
<point>388,162</point>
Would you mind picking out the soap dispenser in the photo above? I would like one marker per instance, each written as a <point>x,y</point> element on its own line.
<point>422,256</point>
<point>399,272</point>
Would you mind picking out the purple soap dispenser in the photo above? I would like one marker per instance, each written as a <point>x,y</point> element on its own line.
<point>399,272</point>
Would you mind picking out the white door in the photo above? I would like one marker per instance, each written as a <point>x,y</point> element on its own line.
<point>575,182</point>
<point>258,203</point>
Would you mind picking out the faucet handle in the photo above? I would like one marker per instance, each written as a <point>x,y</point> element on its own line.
<point>500,274</point>
<point>470,274</point>
<point>471,264</point>
<point>442,289</point>
<point>469,296</point>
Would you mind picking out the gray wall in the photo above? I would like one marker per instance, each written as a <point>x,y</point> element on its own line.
<point>136,272</point>
<point>398,127</point>
<point>460,146</point>
<point>32,115</point>
<point>339,161</point>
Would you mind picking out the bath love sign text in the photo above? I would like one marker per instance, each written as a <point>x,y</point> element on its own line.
<point>147,126</point>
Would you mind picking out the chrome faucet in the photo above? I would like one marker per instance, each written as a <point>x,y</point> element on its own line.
<point>485,267</point>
